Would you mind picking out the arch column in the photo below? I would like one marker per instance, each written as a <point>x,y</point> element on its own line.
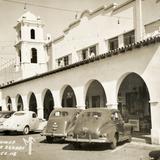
<point>14,105</point>
<point>39,105</point>
<point>25,103</point>
<point>4,108</point>
<point>79,93</point>
<point>57,99</point>
<point>111,94</point>
<point>155,119</point>
<point>0,98</point>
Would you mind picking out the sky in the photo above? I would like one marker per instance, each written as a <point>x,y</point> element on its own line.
<point>55,14</point>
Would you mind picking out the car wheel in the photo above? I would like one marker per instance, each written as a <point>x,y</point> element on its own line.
<point>49,139</point>
<point>113,145</point>
<point>129,138</point>
<point>6,132</point>
<point>76,145</point>
<point>26,130</point>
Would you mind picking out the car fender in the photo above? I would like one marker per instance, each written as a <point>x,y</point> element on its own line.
<point>109,129</point>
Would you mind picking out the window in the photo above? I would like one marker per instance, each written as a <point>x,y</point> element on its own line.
<point>20,57</point>
<point>34,115</point>
<point>19,34</point>
<point>129,38</point>
<point>19,114</point>
<point>92,114</point>
<point>92,50</point>
<point>89,52</point>
<point>84,54</point>
<point>32,34</point>
<point>61,114</point>
<point>113,43</point>
<point>64,61</point>
<point>34,55</point>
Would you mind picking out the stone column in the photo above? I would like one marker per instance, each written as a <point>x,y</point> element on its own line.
<point>57,99</point>
<point>110,90</point>
<point>14,104</point>
<point>112,105</point>
<point>25,103</point>
<point>155,119</point>
<point>39,105</point>
<point>4,106</point>
<point>80,97</point>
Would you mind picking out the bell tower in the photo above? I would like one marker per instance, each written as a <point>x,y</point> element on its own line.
<point>31,55</point>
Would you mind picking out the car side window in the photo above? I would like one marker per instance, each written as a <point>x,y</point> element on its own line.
<point>34,115</point>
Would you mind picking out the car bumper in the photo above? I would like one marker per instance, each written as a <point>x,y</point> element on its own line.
<point>53,134</point>
<point>99,140</point>
<point>7,129</point>
<point>4,128</point>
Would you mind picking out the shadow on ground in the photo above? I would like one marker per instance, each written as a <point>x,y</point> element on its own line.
<point>90,147</point>
<point>141,137</point>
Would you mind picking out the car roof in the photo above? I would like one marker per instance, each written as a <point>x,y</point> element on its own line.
<point>27,112</point>
<point>67,109</point>
<point>4,112</point>
<point>101,109</point>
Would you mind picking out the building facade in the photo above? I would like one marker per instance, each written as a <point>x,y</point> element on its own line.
<point>109,57</point>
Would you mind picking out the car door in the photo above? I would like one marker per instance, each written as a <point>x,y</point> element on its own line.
<point>34,121</point>
<point>116,117</point>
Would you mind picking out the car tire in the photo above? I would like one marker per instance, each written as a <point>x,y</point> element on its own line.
<point>26,130</point>
<point>76,145</point>
<point>129,139</point>
<point>6,132</point>
<point>113,145</point>
<point>49,139</point>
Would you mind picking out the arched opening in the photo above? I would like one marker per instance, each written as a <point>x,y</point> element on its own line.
<point>69,98</point>
<point>32,34</point>
<point>9,103</point>
<point>33,103</point>
<point>48,104</point>
<point>95,96</point>
<point>19,103</point>
<point>33,55</point>
<point>133,102</point>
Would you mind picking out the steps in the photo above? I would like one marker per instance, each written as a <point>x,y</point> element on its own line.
<point>142,139</point>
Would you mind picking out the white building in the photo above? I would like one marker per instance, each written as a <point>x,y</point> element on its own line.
<point>109,57</point>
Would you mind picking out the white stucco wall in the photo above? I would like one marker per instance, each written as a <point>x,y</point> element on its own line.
<point>150,11</point>
<point>84,33</point>
<point>109,71</point>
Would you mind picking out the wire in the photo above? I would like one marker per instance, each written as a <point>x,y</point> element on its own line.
<point>42,6</point>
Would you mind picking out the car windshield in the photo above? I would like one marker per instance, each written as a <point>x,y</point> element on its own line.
<point>19,114</point>
<point>60,114</point>
<point>5,115</point>
<point>93,114</point>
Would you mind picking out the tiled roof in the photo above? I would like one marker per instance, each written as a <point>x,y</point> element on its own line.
<point>118,51</point>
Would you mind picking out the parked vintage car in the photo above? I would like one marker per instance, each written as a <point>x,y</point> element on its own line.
<point>23,121</point>
<point>5,115</point>
<point>154,155</point>
<point>99,125</point>
<point>61,120</point>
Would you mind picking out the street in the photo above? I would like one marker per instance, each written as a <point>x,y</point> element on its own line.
<point>17,147</point>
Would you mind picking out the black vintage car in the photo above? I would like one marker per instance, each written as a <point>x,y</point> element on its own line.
<point>99,125</point>
<point>60,121</point>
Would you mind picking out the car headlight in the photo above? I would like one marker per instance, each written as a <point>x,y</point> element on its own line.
<point>104,135</point>
<point>70,135</point>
